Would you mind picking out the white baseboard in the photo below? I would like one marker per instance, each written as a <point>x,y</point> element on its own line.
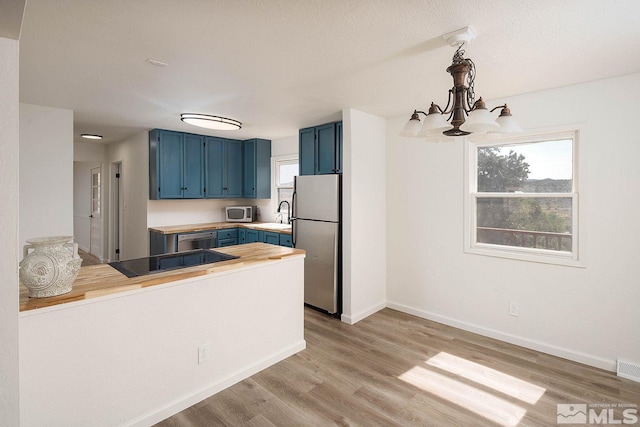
<point>352,319</point>
<point>576,356</point>
<point>184,402</point>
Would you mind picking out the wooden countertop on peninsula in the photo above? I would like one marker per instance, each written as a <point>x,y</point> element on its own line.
<point>100,280</point>
<point>189,228</point>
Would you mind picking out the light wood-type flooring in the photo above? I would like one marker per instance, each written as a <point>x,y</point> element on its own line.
<point>88,259</point>
<point>394,369</point>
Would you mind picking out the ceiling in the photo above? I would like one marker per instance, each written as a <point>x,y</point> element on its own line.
<point>281,65</point>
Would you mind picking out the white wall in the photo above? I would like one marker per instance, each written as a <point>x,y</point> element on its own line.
<point>585,314</point>
<point>133,152</point>
<point>46,172</point>
<point>132,358</point>
<point>9,152</point>
<point>178,212</point>
<point>284,146</point>
<point>364,215</point>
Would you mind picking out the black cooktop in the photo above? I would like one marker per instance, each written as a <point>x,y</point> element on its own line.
<point>166,262</point>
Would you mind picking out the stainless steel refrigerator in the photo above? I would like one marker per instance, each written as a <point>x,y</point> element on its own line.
<point>317,230</point>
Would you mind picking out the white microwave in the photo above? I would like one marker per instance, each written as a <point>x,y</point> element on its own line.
<point>241,213</point>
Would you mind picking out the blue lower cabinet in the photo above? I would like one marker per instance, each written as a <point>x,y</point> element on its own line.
<point>248,235</point>
<point>252,236</point>
<point>227,237</point>
<point>227,242</point>
<point>271,238</point>
<point>285,240</point>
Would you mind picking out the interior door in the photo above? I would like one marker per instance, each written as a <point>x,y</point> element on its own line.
<point>96,212</point>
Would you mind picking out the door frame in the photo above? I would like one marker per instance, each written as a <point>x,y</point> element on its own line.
<point>116,211</point>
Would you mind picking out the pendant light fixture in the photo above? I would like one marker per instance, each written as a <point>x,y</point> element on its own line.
<point>210,122</point>
<point>465,114</point>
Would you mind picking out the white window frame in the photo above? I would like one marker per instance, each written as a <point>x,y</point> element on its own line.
<point>275,177</point>
<point>471,245</point>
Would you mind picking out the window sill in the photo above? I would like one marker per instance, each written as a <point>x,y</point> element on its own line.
<point>527,255</point>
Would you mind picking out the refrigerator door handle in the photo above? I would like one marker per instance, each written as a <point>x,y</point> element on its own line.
<point>293,219</point>
<point>293,232</point>
<point>293,205</point>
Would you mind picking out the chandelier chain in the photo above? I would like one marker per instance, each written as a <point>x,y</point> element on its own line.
<point>458,58</point>
<point>471,77</point>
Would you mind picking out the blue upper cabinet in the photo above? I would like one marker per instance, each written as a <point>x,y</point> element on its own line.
<point>320,149</point>
<point>307,151</point>
<point>190,166</point>
<point>326,149</point>
<point>257,169</point>
<point>223,171</point>
<point>214,167</point>
<point>176,165</point>
<point>233,168</point>
<point>193,161</point>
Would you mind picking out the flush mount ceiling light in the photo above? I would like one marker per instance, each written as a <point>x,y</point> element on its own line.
<point>210,122</point>
<point>91,136</point>
<point>465,114</point>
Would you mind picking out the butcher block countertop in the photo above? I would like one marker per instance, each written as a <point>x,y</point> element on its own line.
<point>100,280</point>
<point>189,228</point>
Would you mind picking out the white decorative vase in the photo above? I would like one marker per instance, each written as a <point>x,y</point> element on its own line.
<point>51,267</point>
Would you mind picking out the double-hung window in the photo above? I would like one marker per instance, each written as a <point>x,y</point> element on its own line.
<point>522,198</point>
<point>285,169</point>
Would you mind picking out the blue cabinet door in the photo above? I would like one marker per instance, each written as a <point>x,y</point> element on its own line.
<point>325,149</point>
<point>214,167</point>
<point>271,238</point>
<point>256,169</point>
<point>233,168</point>
<point>223,172</point>
<point>249,169</point>
<point>169,152</point>
<point>285,240</point>
<point>241,236</point>
<point>252,236</point>
<point>193,166</point>
<point>307,151</point>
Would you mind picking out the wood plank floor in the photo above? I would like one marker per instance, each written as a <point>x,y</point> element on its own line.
<point>88,259</point>
<point>394,369</point>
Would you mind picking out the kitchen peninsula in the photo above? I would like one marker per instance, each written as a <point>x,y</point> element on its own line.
<point>132,351</point>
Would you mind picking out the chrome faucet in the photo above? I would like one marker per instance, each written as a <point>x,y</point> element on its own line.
<point>288,210</point>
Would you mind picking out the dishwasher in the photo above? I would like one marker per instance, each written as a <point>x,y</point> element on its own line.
<point>200,240</point>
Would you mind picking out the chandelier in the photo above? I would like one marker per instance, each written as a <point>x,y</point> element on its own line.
<point>466,115</point>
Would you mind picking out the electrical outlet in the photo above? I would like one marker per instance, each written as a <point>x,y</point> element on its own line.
<point>204,353</point>
<point>514,309</point>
